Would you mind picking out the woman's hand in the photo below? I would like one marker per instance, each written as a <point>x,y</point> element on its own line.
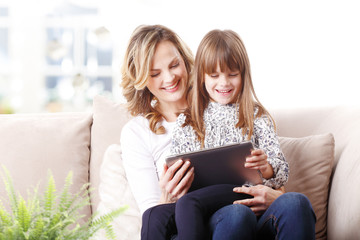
<point>258,161</point>
<point>263,197</point>
<point>175,181</point>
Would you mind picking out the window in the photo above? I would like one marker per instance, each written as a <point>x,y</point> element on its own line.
<point>57,61</point>
<point>78,59</point>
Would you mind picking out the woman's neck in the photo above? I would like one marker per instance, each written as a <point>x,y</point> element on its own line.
<point>170,110</point>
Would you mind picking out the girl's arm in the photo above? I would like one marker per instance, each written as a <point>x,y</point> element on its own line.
<point>266,139</point>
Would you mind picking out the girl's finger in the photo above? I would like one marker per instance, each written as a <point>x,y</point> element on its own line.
<point>257,152</point>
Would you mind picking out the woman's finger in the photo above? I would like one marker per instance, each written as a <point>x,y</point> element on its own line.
<point>172,184</point>
<point>173,169</point>
<point>185,183</point>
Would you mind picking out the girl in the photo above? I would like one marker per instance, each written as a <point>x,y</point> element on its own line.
<point>224,110</point>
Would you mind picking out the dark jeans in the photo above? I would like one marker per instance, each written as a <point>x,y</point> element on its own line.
<point>189,218</point>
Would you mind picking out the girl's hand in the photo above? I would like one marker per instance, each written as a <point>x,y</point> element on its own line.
<point>175,181</point>
<point>258,161</point>
<point>263,197</point>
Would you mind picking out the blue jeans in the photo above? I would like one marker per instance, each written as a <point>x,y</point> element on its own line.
<point>290,216</point>
<point>209,213</point>
<point>188,218</point>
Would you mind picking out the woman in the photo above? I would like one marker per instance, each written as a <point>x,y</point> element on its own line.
<point>156,83</point>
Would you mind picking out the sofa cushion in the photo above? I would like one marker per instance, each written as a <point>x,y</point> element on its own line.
<point>33,144</point>
<point>311,160</point>
<point>109,118</point>
<point>115,192</point>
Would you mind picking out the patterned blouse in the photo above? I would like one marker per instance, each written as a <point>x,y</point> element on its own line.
<point>220,121</point>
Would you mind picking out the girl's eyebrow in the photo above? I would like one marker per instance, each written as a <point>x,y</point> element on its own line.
<point>176,58</point>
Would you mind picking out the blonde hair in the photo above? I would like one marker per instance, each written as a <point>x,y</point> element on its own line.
<point>136,70</point>
<point>226,49</point>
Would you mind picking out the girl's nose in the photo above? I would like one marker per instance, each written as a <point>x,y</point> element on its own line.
<point>223,80</point>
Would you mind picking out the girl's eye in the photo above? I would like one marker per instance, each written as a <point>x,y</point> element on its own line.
<point>214,75</point>
<point>233,74</point>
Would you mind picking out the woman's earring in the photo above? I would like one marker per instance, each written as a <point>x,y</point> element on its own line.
<point>153,102</point>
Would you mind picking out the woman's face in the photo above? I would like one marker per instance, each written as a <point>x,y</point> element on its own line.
<point>223,87</point>
<point>168,75</point>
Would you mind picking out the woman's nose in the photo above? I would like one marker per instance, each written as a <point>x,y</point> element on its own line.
<point>168,76</point>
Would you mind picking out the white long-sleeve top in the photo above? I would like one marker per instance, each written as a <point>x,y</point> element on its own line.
<point>143,156</point>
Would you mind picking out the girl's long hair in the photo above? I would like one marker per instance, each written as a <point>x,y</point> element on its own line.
<point>223,48</point>
<point>136,70</point>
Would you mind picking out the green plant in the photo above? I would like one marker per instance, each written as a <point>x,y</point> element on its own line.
<point>51,216</point>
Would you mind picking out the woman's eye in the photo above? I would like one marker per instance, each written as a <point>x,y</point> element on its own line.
<point>175,65</point>
<point>214,75</point>
<point>154,75</point>
<point>233,74</point>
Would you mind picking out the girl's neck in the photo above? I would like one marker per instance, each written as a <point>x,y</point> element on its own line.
<point>170,110</point>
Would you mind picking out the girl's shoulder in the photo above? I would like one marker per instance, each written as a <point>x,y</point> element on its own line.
<point>180,120</point>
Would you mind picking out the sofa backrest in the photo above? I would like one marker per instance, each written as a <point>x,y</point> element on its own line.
<point>343,122</point>
<point>31,145</point>
<point>109,118</point>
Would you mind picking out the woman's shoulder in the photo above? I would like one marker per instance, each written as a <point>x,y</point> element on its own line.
<point>137,124</point>
<point>138,121</point>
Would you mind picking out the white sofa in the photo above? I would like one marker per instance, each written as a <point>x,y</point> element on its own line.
<point>327,173</point>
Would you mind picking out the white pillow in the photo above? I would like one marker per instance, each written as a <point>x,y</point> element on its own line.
<point>114,192</point>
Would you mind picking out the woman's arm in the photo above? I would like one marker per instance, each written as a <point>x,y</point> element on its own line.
<point>141,170</point>
<point>139,165</point>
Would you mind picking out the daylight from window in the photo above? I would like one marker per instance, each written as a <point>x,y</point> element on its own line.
<point>57,55</point>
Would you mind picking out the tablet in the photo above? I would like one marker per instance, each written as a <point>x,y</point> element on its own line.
<point>220,165</point>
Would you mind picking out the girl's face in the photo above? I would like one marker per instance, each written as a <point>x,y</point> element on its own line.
<point>168,75</point>
<point>223,87</point>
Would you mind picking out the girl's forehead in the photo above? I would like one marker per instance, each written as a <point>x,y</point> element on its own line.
<point>220,66</point>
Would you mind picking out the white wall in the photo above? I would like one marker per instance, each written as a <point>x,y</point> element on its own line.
<point>302,53</point>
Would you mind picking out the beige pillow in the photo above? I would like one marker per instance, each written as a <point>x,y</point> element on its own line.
<point>311,161</point>
<point>33,144</point>
<point>115,192</point>
<point>109,118</point>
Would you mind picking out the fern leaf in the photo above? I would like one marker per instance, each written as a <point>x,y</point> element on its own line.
<point>65,198</point>
<point>37,229</point>
<point>103,221</point>
<point>23,216</point>
<point>9,186</point>
<point>5,218</point>
<point>50,196</point>
<point>109,232</point>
